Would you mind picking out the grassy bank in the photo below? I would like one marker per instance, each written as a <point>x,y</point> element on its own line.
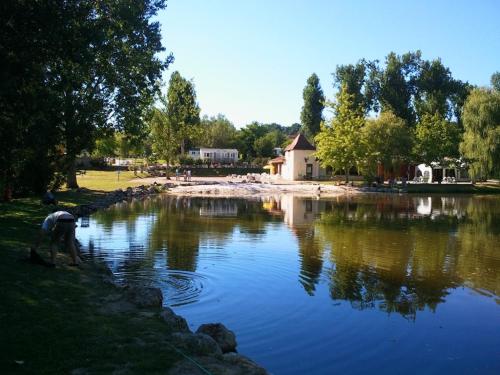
<point>109,180</point>
<point>51,320</point>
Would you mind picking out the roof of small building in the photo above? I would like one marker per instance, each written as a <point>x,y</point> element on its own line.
<point>300,143</point>
<point>278,160</point>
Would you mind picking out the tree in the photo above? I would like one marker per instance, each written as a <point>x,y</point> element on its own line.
<point>397,85</point>
<point>182,109</point>
<point>164,135</point>
<point>311,115</point>
<point>217,132</point>
<point>495,81</point>
<point>481,139</point>
<point>436,139</point>
<point>106,146</point>
<point>247,137</point>
<point>77,67</point>
<point>359,82</point>
<point>388,142</point>
<point>264,145</point>
<point>339,143</point>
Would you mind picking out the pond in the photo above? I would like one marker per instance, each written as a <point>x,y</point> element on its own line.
<point>368,283</point>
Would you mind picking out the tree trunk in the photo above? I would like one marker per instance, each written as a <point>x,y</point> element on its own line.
<point>347,175</point>
<point>182,146</point>
<point>71,182</point>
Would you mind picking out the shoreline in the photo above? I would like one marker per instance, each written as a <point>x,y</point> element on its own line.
<point>212,347</point>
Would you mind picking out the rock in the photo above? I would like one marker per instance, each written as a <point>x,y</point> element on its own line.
<point>175,322</point>
<point>145,296</point>
<point>247,365</point>
<point>222,336</point>
<point>195,343</point>
<point>234,364</point>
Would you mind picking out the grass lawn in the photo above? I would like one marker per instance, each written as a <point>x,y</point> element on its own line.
<point>50,319</point>
<point>109,180</point>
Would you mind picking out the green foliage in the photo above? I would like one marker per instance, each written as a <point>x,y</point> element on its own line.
<point>69,70</point>
<point>388,141</point>
<point>481,139</point>
<point>495,81</point>
<point>182,109</point>
<point>359,82</point>
<point>435,139</point>
<point>311,115</point>
<point>164,135</point>
<point>105,146</point>
<point>217,132</point>
<point>340,143</point>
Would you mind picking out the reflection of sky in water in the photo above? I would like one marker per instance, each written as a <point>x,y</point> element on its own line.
<point>322,286</point>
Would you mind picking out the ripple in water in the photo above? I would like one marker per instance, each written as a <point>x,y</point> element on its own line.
<point>182,287</point>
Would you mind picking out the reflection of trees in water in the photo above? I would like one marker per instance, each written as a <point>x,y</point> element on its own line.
<point>479,245</point>
<point>397,253</point>
<point>385,255</point>
<point>311,255</point>
<point>182,223</point>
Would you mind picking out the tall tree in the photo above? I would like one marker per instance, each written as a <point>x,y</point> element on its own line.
<point>182,109</point>
<point>481,139</point>
<point>495,81</point>
<point>312,110</point>
<point>340,143</point>
<point>359,82</point>
<point>397,85</point>
<point>164,135</point>
<point>94,63</point>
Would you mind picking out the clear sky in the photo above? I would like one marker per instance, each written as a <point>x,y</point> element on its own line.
<point>250,59</point>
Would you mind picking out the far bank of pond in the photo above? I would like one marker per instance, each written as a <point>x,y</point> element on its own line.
<point>353,283</point>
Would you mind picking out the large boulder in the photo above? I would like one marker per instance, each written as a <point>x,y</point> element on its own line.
<point>195,343</point>
<point>175,322</point>
<point>222,336</point>
<point>145,296</point>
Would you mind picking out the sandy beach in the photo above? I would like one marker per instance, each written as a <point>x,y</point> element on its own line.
<point>236,187</point>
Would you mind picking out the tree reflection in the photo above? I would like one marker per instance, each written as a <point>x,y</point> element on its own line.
<point>399,254</point>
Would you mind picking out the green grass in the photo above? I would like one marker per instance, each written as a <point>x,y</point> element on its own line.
<point>108,180</point>
<point>50,318</point>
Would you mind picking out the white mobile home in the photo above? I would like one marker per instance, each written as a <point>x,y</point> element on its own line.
<point>216,155</point>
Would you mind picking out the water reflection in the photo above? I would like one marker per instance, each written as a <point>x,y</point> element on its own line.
<point>394,253</point>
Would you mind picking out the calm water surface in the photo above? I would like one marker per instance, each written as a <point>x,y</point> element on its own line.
<point>386,284</point>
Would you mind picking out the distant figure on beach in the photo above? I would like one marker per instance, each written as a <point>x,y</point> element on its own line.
<point>189,174</point>
<point>185,176</point>
<point>177,174</point>
<point>59,225</point>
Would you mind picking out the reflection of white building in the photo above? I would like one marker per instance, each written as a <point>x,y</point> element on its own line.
<point>220,208</point>
<point>296,210</point>
<point>424,206</point>
<point>298,163</point>
<point>221,155</point>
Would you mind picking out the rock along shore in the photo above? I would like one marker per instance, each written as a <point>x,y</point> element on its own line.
<point>209,350</point>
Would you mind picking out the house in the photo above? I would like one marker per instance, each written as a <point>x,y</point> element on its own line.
<point>298,161</point>
<point>215,155</point>
<point>437,173</point>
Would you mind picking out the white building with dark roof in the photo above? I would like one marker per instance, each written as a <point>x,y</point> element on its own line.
<point>298,161</point>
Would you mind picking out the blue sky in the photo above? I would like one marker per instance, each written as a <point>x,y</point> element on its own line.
<point>250,59</point>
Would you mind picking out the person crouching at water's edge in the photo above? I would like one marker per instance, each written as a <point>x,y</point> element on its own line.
<point>58,225</point>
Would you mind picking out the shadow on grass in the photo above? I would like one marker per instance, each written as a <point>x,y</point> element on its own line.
<point>50,319</point>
